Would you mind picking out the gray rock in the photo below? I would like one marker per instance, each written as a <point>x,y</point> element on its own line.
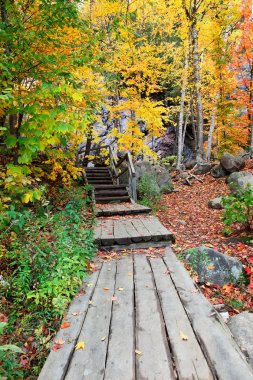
<point>157,173</point>
<point>218,172</point>
<point>216,203</point>
<point>240,181</point>
<point>213,266</point>
<point>183,222</point>
<point>190,164</point>
<point>241,326</point>
<point>202,168</point>
<point>231,163</point>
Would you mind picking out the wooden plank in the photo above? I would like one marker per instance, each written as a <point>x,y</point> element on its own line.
<point>189,358</point>
<point>120,363</point>
<point>121,236</point>
<point>142,230</point>
<point>89,363</point>
<point>97,233</point>
<point>57,362</point>
<point>157,230</point>
<point>107,233</point>
<point>141,245</point>
<point>154,362</point>
<point>219,347</point>
<point>131,230</point>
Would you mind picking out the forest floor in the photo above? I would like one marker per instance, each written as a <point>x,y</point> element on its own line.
<point>186,213</point>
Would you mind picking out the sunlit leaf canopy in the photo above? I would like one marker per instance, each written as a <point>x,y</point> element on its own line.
<point>61,61</point>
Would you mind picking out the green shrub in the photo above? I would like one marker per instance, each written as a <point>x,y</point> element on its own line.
<point>238,209</point>
<point>148,191</point>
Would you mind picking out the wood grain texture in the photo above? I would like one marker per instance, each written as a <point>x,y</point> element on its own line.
<point>120,357</point>
<point>189,358</point>
<point>221,351</point>
<point>57,362</point>
<point>89,363</point>
<point>154,362</point>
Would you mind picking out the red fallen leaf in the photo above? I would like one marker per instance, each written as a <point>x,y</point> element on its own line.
<point>65,325</point>
<point>56,346</point>
<point>250,259</point>
<point>247,270</point>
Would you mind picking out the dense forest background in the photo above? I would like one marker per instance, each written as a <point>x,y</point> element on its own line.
<point>180,64</point>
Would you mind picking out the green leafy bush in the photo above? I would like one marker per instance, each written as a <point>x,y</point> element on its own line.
<point>238,209</point>
<point>148,191</point>
<point>44,259</point>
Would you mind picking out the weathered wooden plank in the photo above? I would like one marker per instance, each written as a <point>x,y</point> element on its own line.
<point>120,357</point>
<point>57,362</point>
<point>155,361</point>
<point>89,363</point>
<point>121,236</point>
<point>107,233</point>
<point>189,358</point>
<point>131,230</point>
<point>141,245</point>
<point>219,347</point>
<point>141,229</point>
<point>157,230</point>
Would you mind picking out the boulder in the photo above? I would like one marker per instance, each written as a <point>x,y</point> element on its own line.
<point>218,172</point>
<point>157,173</point>
<point>202,168</point>
<point>213,266</point>
<point>216,203</point>
<point>241,326</point>
<point>231,163</point>
<point>240,181</point>
<point>190,164</point>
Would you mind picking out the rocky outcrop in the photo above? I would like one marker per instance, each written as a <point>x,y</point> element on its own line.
<point>240,181</point>
<point>231,163</point>
<point>157,173</point>
<point>241,326</point>
<point>218,172</point>
<point>213,266</point>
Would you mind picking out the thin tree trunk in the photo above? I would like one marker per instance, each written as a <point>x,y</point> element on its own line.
<point>180,142</point>
<point>211,130</point>
<point>193,124</point>
<point>199,105</point>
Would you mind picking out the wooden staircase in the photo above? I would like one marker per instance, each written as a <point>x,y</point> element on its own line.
<point>105,191</point>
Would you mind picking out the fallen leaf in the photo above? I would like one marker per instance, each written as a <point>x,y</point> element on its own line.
<point>90,302</point>
<point>56,347</point>
<point>89,284</point>
<point>138,352</point>
<point>104,338</point>
<point>211,267</point>
<point>183,336</point>
<point>75,313</point>
<point>120,289</point>
<point>106,288</point>
<point>113,298</point>
<point>59,341</point>
<point>65,325</point>
<point>130,274</point>
<point>80,346</point>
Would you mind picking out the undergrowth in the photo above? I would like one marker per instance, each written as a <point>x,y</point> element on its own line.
<point>45,253</point>
<point>149,193</point>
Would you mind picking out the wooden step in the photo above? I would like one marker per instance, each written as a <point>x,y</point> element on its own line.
<point>110,192</point>
<point>142,232</point>
<point>102,168</point>
<point>114,199</point>
<point>128,208</point>
<point>98,177</point>
<point>100,181</point>
<point>106,187</point>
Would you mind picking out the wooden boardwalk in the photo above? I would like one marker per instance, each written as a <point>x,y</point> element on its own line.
<point>143,318</point>
<point>138,232</point>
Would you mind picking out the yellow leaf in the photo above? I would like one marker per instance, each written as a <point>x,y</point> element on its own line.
<point>80,346</point>
<point>183,336</point>
<point>120,289</point>
<point>138,352</point>
<point>27,198</point>
<point>104,338</point>
<point>211,267</point>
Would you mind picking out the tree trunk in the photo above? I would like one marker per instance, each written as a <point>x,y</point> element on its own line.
<point>211,130</point>
<point>199,105</point>
<point>180,142</point>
